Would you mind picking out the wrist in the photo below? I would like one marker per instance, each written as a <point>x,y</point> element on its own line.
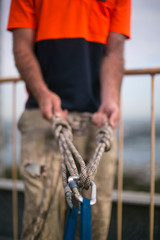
<point>41,93</point>
<point>110,99</point>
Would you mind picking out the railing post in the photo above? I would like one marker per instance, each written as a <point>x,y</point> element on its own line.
<point>120,177</point>
<point>2,169</point>
<point>152,179</point>
<point>14,167</point>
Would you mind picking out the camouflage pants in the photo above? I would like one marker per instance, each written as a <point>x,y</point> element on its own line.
<point>39,151</point>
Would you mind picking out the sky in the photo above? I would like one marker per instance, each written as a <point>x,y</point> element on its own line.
<point>141,51</point>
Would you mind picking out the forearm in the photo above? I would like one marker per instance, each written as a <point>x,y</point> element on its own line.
<point>111,72</point>
<point>29,69</point>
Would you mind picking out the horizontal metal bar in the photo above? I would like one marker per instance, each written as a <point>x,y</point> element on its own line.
<point>137,198</point>
<point>130,197</point>
<point>5,80</point>
<point>6,184</point>
<point>143,71</point>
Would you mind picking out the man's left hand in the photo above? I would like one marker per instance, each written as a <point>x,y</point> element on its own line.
<point>107,112</point>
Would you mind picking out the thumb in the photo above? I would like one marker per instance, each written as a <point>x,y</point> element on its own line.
<point>56,105</point>
<point>57,110</point>
<point>99,118</point>
<point>46,110</point>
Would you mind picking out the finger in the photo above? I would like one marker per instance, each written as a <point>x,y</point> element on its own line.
<point>113,119</point>
<point>46,112</point>
<point>99,119</point>
<point>58,114</point>
<point>65,114</point>
<point>56,104</point>
<point>61,114</point>
<point>57,109</point>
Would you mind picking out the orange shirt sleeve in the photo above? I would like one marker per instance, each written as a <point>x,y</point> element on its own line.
<point>22,15</point>
<point>121,18</point>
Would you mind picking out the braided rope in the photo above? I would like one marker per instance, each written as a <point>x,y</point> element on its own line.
<point>70,155</point>
<point>104,138</point>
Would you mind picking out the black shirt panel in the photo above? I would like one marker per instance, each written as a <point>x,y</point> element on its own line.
<point>70,68</point>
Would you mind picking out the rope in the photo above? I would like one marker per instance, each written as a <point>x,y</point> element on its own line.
<point>70,156</point>
<point>104,138</point>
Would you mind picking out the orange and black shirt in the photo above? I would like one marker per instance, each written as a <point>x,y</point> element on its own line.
<point>69,44</point>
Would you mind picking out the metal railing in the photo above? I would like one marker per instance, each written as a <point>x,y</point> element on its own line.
<point>149,71</point>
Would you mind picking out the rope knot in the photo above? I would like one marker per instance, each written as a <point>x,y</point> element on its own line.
<point>61,126</point>
<point>70,157</point>
<point>105,135</point>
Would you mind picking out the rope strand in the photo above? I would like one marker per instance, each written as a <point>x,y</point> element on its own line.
<point>67,149</point>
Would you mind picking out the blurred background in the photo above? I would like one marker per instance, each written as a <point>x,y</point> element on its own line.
<point>141,51</point>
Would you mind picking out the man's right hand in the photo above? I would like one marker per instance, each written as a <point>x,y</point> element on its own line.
<point>49,104</point>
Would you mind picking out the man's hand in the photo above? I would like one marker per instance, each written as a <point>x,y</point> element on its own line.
<point>107,112</point>
<point>49,104</point>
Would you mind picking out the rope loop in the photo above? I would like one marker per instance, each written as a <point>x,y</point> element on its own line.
<point>70,156</point>
<point>105,135</point>
<point>59,126</point>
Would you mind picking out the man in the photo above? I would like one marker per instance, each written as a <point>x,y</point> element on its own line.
<point>70,55</point>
